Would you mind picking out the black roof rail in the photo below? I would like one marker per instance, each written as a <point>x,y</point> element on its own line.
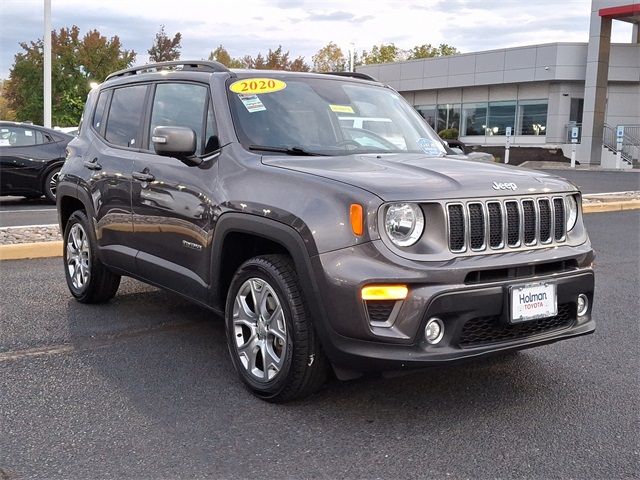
<point>201,65</point>
<point>361,76</point>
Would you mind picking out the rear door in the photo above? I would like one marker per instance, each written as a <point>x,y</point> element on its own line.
<point>173,203</point>
<point>117,122</point>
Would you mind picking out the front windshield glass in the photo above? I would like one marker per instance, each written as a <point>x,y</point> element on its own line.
<point>328,116</point>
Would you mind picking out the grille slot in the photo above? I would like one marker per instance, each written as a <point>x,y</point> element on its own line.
<point>558,207</point>
<point>456,228</point>
<point>545,220</point>
<point>487,330</point>
<point>513,224</point>
<point>500,224</point>
<point>495,224</point>
<point>476,226</point>
<point>529,214</point>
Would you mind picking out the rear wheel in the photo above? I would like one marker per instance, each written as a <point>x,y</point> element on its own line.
<point>271,339</point>
<point>50,186</point>
<point>88,279</point>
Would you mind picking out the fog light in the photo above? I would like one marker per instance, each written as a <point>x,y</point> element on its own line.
<point>583,304</point>
<point>434,331</point>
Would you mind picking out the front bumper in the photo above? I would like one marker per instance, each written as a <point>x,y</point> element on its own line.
<point>474,315</point>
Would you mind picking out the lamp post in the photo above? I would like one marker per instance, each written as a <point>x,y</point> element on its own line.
<point>47,63</point>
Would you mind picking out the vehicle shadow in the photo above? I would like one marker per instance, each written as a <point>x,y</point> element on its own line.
<point>12,201</point>
<point>153,347</point>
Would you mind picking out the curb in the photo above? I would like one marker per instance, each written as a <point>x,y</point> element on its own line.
<point>618,206</point>
<point>20,251</point>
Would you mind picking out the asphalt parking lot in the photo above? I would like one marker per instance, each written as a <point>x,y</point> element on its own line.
<point>143,388</point>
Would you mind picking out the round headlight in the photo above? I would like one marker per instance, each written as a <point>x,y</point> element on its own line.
<point>404,223</point>
<point>571,216</point>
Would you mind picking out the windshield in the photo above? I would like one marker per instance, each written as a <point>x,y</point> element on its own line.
<point>326,116</point>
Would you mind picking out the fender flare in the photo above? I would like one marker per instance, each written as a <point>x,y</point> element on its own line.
<point>284,235</point>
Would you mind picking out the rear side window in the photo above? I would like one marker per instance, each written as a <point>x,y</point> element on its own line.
<point>180,105</point>
<point>99,114</point>
<point>20,137</point>
<point>126,116</point>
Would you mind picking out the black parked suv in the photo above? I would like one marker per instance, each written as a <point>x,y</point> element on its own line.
<point>325,246</point>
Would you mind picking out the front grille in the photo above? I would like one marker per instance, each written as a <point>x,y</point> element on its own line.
<point>498,224</point>
<point>488,330</point>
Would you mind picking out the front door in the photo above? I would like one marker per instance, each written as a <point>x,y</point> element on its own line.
<point>174,204</point>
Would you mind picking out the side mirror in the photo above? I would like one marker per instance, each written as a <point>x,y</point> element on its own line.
<point>178,142</point>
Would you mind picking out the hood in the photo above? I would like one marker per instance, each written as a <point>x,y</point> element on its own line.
<point>395,177</point>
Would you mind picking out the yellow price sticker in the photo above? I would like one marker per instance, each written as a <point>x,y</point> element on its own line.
<point>253,86</point>
<point>341,108</point>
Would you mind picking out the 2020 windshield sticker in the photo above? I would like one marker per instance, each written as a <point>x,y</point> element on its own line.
<point>252,103</point>
<point>429,147</point>
<point>250,86</point>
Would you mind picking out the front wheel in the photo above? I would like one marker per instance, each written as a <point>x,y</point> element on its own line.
<point>88,279</point>
<point>270,336</point>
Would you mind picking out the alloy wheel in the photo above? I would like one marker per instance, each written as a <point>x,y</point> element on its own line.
<point>78,262</point>
<point>53,184</point>
<point>259,329</point>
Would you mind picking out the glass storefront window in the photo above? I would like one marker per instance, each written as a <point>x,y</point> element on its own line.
<point>448,116</point>
<point>475,118</point>
<point>532,117</point>
<point>500,116</point>
<point>429,113</point>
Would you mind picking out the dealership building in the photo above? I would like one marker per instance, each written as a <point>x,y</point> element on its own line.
<point>539,93</point>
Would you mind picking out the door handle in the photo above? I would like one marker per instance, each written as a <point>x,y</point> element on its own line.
<point>143,176</point>
<point>93,164</point>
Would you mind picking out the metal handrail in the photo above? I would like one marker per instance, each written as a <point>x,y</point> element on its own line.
<point>630,149</point>
<point>185,64</point>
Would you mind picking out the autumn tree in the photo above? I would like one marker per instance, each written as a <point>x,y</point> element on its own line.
<point>165,49</point>
<point>383,53</point>
<point>5,112</point>
<point>428,51</point>
<point>277,59</point>
<point>221,55</point>
<point>76,61</point>
<point>329,59</point>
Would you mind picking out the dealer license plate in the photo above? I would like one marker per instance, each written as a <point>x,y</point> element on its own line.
<point>532,301</point>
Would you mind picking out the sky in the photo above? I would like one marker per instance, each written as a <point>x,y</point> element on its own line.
<point>304,26</point>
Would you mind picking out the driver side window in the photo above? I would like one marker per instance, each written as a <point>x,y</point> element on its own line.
<point>181,105</point>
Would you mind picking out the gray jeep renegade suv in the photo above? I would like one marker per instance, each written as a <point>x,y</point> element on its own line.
<point>326,245</point>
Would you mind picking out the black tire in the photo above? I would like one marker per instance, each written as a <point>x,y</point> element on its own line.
<point>100,284</point>
<point>49,186</point>
<point>304,365</point>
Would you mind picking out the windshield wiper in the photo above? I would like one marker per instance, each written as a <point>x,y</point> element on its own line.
<point>288,150</point>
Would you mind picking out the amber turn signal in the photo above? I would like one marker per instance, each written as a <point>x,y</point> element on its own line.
<point>357,218</point>
<point>384,292</point>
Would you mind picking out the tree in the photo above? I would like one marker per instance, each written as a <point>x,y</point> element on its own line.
<point>5,112</point>
<point>428,51</point>
<point>329,59</point>
<point>75,62</point>
<point>165,49</point>
<point>383,54</point>
<point>221,55</point>
<point>274,60</point>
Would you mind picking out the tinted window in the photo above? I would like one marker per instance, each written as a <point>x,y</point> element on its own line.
<point>11,136</point>
<point>125,116</point>
<point>179,105</point>
<point>98,116</point>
